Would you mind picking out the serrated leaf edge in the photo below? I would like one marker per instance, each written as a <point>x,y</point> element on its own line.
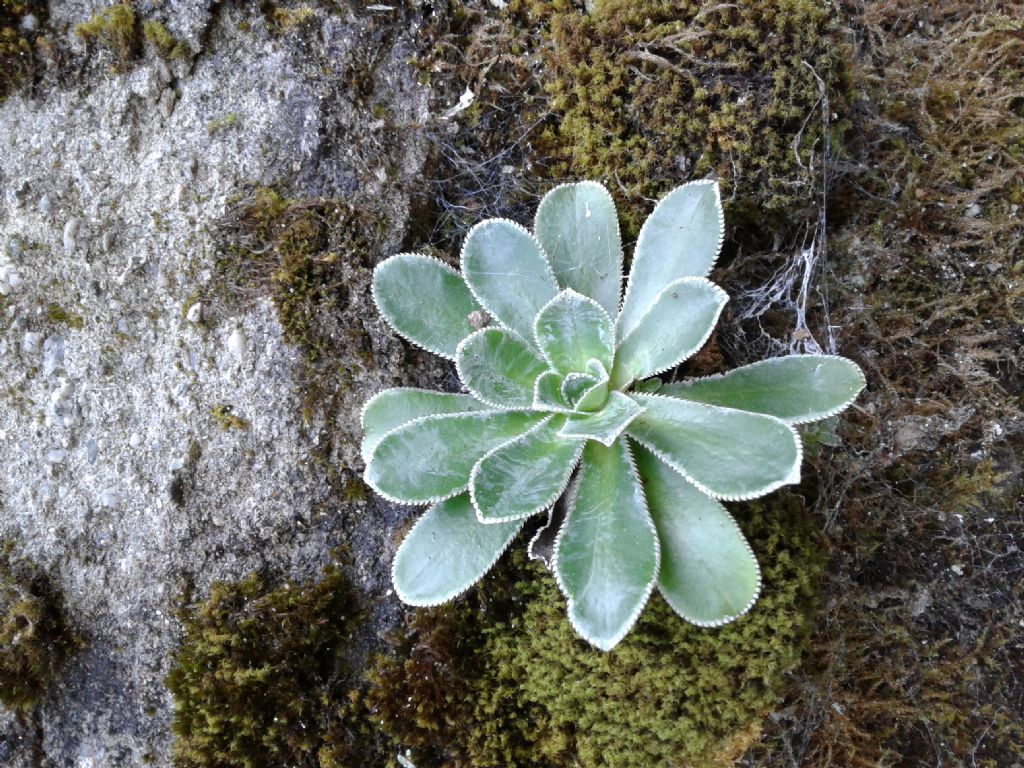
<point>716,289</point>
<point>383,314</point>
<point>462,261</point>
<point>791,479</point>
<point>611,323</point>
<point>819,416</point>
<point>431,499</point>
<point>477,395</point>
<point>457,593</point>
<point>597,439</point>
<point>642,603</point>
<point>760,581</point>
<point>618,229</point>
<point>373,398</point>
<point>541,507</point>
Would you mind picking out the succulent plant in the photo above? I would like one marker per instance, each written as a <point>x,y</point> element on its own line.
<point>560,371</point>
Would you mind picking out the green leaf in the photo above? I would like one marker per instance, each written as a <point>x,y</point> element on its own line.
<point>681,238</point>
<point>578,228</point>
<point>571,330</point>
<point>394,407</point>
<point>524,476</point>
<point>547,394</point>
<point>678,323</point>
<point>447,552</point>
<point>606,556</point>
<point>797,389</point>
<point>508,273</point>
<point>594,398</point>
<point>708,572</point>
<point>604,425</point>
<point>576,384</point>
<point>425,300</point>
<point>726,453</point>
<point>430,459</point>
<point>497,368</point>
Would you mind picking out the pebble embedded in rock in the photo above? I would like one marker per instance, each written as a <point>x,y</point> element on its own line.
<point>135,440</point>
<point>53,355</point>
<point>237,344</point>
<point>71,229</point>
<point>195,313</point>
<point>56,456</point>
<point>32,342</point>
<point>108,498</point>
<point>108,241</point>
<point>44,205</point>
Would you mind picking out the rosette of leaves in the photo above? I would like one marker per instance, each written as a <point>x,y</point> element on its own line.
<point>562,392</point>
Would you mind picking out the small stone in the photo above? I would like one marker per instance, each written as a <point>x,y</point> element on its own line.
<point>44,205</point>
<point>32,342</point>
<point>29,23</point>
<point>13,279</point>
<point>16,195</point>
<point>479,319</point>
<point>61,393</point>
<point>135,440</point>
<point>237,344</point>
<point>91,450</point>
<point>973,211</point>
<point>71,229</point>
<point>108,498</point>
<point>56,456</point>
<point>14,249</point>
<point>108,241</point>
<point>53,355</point>
<point>195,313</point>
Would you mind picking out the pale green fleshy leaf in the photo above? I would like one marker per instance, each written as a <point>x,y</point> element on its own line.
<point>547,394</point>
<point>575,385</point>
<point>425,300</point>
<point>604,425</point>
<point>648,386</point>
<point>797,389</point>
<point>681,238</point>
<point>508,273</point>
<point>524,476</point>
<point>606,557</point>
<point>431,458</point>
<point>708,573</point>
<point>678,323</point>
<point>726,453</point>
<point>447,552</point>
<point>498,368</point>
<point>594,398</point>
<point>578,228</point>
<point>394,407</point>
<point>571,330</point>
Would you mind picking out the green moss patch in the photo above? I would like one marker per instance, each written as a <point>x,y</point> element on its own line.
<point>35,638</point>
<point>501,679</point>
<point>116,30</point>
<point>256,671</point>
<point>650,94</point>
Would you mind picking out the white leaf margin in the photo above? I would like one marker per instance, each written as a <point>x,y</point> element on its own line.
<point>642,603</point>
<point>791,479</point>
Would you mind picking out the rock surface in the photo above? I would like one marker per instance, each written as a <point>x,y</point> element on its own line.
<point>116,478</point>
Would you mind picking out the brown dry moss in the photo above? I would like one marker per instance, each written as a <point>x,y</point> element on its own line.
<point>116,30</point>
<point>35,638</point>
<point>18,44</point>
<point>257,670</point>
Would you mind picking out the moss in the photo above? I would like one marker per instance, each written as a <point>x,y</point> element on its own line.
<point>256,670</point>
<point>223,123</point>
<point>225,418</point>
<point>164,43</point>
<point>35,638</point>
<point>18,46</point>
<point>55,313</point>
<point>115,29</point>
<point>300,252</point>
<point>501,679</point>
<point>653,93</point>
